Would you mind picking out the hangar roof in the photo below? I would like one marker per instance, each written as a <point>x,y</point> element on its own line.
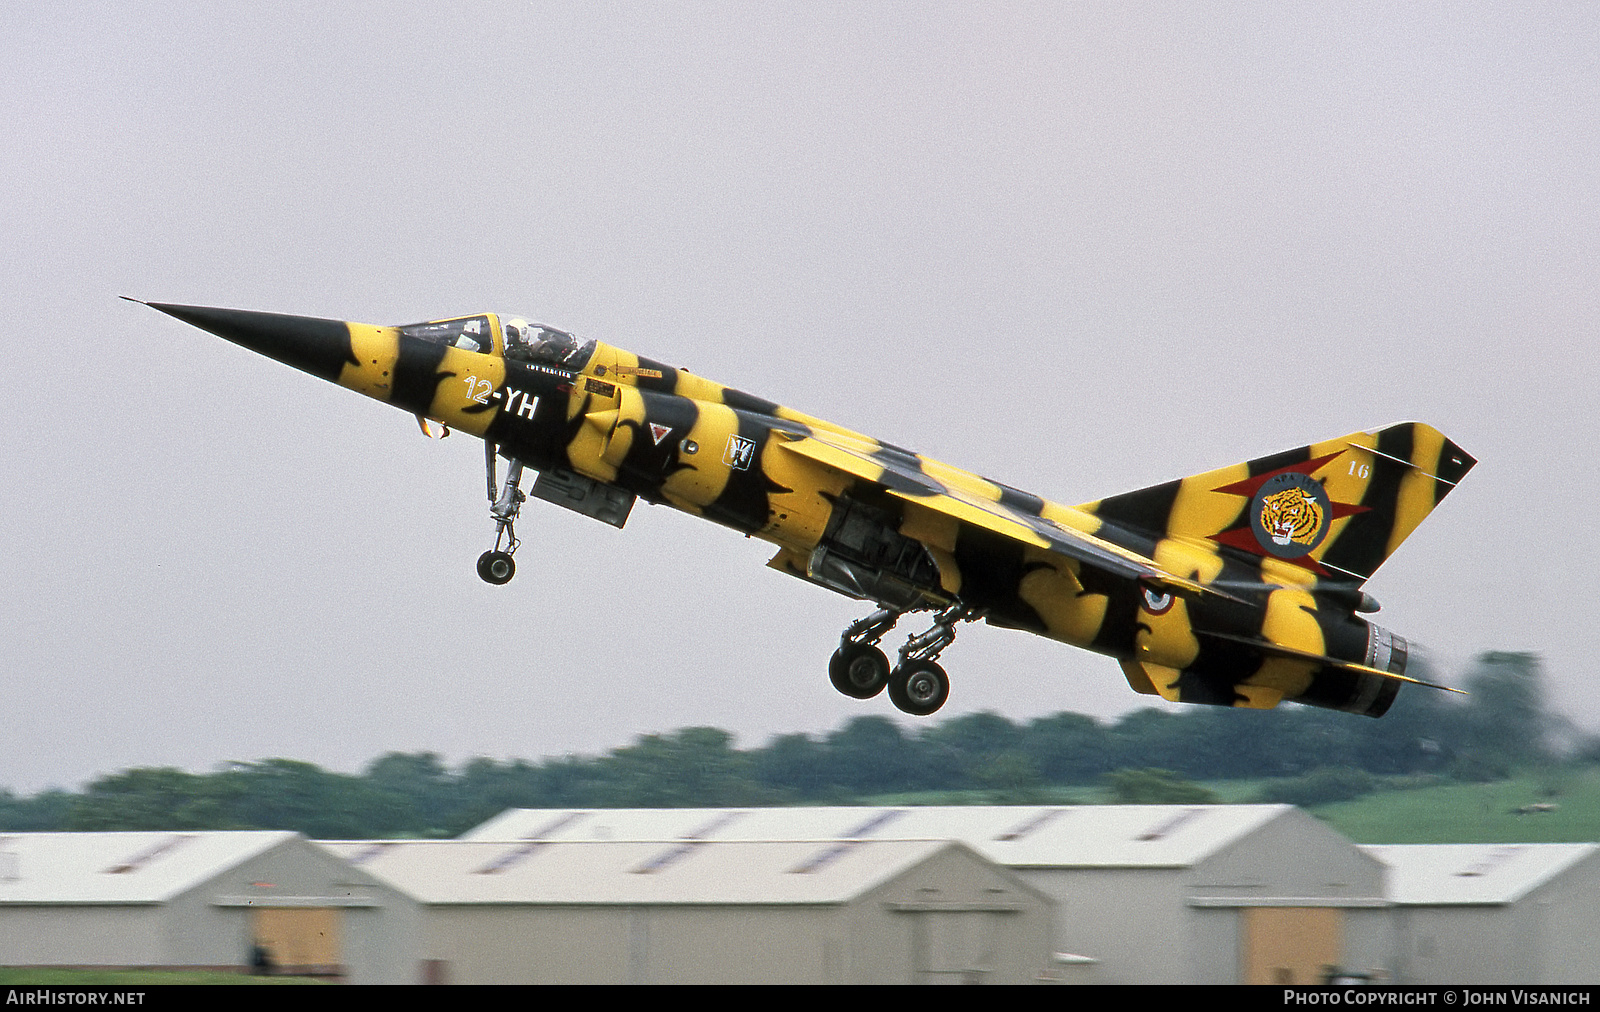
<point>1018,836</point>
<point>143,867</point>
<point>636,872</point>
<point>1429,874</point>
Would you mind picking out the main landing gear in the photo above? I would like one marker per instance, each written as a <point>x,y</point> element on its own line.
<point>917,685</point>
<point>496,565</point>
<point>858,668</point>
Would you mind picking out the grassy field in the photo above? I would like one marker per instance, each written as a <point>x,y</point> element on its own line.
<point>1439,813</point>
<point>1476,813</point>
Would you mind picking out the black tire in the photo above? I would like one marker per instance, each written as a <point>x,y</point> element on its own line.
<point>496,568</point>
<point>919,687</point>
<point>858,670</point>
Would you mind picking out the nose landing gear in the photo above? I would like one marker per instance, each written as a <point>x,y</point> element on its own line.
<point>496,565</point>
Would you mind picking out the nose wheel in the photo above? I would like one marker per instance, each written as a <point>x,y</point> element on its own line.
<point>496,565</point>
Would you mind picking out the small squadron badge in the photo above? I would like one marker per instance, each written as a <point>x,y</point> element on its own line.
<point>740,453</point>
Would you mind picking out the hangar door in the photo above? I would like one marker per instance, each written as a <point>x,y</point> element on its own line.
<point>301,940</point>
<point>1289,945</point>
<point>954,947</point>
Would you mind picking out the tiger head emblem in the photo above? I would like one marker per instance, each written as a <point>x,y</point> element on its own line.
<point>1291,516</point>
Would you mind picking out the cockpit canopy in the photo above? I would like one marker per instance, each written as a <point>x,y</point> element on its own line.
<point>469,333</point>
<point>520,341</point>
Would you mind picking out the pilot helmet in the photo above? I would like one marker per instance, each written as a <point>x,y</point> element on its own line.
<point>519,343</point>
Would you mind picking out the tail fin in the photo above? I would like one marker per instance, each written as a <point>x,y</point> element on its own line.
<point>1338,508</point>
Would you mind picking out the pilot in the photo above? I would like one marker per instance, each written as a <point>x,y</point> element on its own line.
<point>517,345</point>
<point>533,342</point>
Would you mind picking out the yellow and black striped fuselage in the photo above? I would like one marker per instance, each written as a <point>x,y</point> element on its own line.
<point>675,438</point>
<point>881,523</point>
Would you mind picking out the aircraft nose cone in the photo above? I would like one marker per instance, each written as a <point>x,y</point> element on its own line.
<point>319,347</point>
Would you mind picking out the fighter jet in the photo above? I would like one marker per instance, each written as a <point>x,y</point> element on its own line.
<point>1241,586</point>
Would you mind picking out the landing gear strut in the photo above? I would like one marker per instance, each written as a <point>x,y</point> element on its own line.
<point>917,685</point>
<point>496,565</point>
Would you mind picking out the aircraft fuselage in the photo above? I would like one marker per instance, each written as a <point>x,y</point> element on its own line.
<point>1232,587</point>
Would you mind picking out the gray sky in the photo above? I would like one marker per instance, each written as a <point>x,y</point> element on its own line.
<point>1080,248</point>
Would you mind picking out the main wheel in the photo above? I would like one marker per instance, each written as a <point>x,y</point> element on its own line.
<point>859,670</point>
<point>496,568</point>
<point>919,687</point>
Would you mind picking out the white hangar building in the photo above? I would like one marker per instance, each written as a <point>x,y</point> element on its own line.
<point>1144,894</point>
<point>680,910</point>
<point>190,900</point>
<point>1522,913</point>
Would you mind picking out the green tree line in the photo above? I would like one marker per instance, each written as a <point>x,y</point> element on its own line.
<point>1504,724</point>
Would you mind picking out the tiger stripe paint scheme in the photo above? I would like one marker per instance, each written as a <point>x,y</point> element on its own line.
<point>1236,587</point>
